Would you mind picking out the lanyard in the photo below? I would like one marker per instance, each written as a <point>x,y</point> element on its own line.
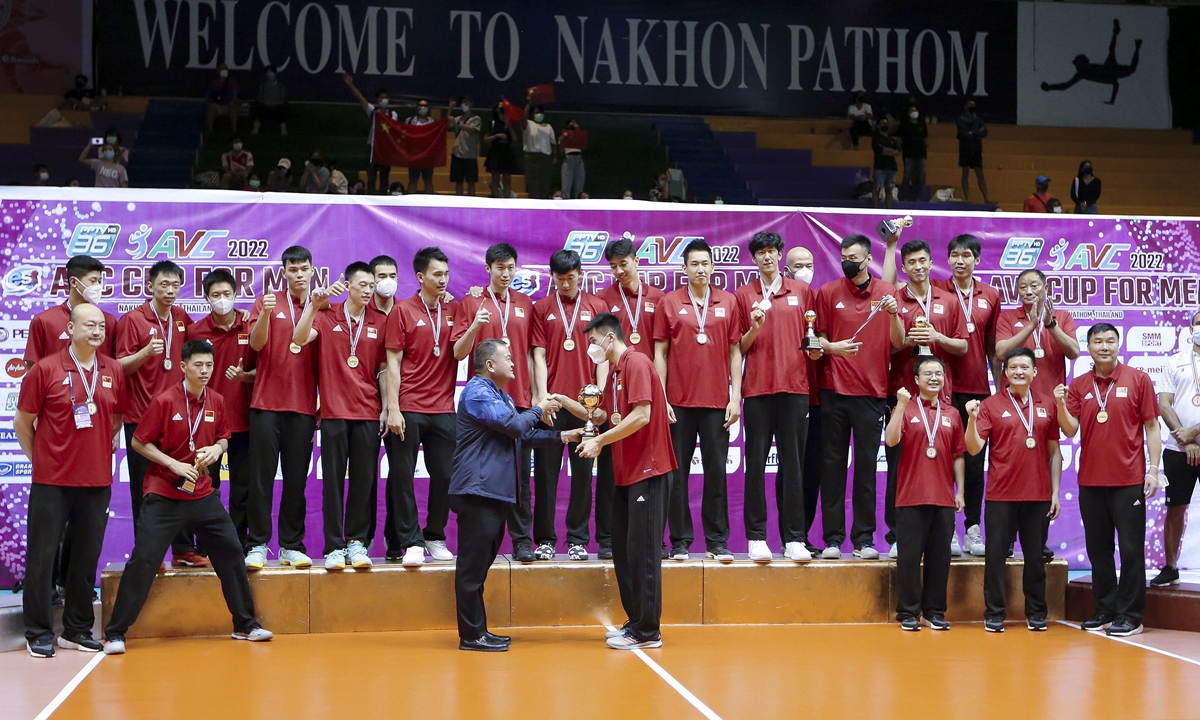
<point>930,433</point>
<point>1195,376</point>
<point>768,292</point>
<point>1103,403</point>
<point>633,319</point>
<point>562,314</point>
<point>1028,423</point>
<point>354,336</point>
<point>1037,336</point>
<point>923,305</point>
<point>436,325</point>
<point>701,318</point>
<point>867,322</point>
<point>169,334</point>
<point>292,308</point>
<point>193,427</point>
<point>964,301</point>
<point>90,390</point>
<point>507,308</point>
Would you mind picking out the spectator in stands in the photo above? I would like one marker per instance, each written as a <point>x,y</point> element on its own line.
<point>627,195</point>
<point>860,118</point>
<point>338,184</point>
<point>971,132</point>
<point>584,196</point>
<point>425,174</point>
<point>254,183</point>
<point>358,187</point>
<point>223,98</point>
<point>112,136</point>
<point>658,191</point>
<point>464,161</point>
<point>573,171</point>
<point>272,103</point>
<point>914,144</point>
<point>1054,206</point>
<point>539,142</point>
<point>236,164</point>
<point>557,195</point>
<point>500,161</point>
<point>280,179</point>
<point>676,185</point>
<point>886,149</point>
<point>380,105</point>
<point>396,189</point>
<point>1039,201</point>
<point>1085,190</point>
<point>109,172</point>
<point>72,182</point>
<point>41,176</point>
<point>81,97</point>
<point>315,178</point>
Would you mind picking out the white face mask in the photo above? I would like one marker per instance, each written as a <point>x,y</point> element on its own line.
<point>92,293</point>
<point>224,73</point>
<point>222,306</point>
<point>466,108</point>
<point>718,202</point>
<point>383,102</point>
<point>1058,209</point>
<point>596,353</point>
<point>1195,336</point>
<point>805,274</point>
<point>44,176</point>
<point>422,111</point>
<point>386,287</point>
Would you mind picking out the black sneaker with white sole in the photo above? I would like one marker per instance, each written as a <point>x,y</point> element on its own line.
<point>1098,622</point>
<point>1168,577</point>
<point>911,624</point>
<point>82,643</point>
<point>41,648</point>
<point>935,622</point>
<point>1123,627</point>
<point>1037,623</point>
<point>523,553</point>
<point>993,625</point>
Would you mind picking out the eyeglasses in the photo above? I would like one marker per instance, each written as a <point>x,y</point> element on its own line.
<point>933,374</point>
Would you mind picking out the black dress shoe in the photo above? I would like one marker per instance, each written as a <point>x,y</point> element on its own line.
<point>483,644</point>
<point>498,638</point>
<point>523,553</point>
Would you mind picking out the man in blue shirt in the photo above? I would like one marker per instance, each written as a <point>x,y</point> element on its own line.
<point>490,432</point>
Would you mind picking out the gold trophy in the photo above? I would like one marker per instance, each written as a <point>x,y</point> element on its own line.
<point>811,342</point>
<point>888,228</point>
<point>589,398</point>
<point>920,322</point>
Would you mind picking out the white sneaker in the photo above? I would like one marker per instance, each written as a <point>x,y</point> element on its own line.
<point>895,551</point>
<point>356,555</point>
<point>336,560</point>
<point>866,552</point>
<point>974,541</point>
<point>832,552</point>
<point>414,556</point>
<point>796,552</point>
<point>258,634</point>
<point>295,558</point>
<point>256,559</point>
<point>615,633</point>
<point>759,552</point>
<point>955,548</point>
<point>438,551</point>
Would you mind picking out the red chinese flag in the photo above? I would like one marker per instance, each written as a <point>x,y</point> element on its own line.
<point>540,94</point>
<point>413,146</point>
<point>512,113</point>
<point>574,139</point>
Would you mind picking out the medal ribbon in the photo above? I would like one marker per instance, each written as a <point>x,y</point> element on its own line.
<point>354,337</point>
<point>193,427</point>
<point>937,421</point>
<point>1028,424</point>
<point>701,319</point>
<point>507,308</point>
<point>562,314</point>
<point>635,319</point>
<point>90,390</point>
<point>1102,403</point>
<point>435,324</point>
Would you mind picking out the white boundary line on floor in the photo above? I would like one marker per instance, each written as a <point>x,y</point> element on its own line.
<point>705,710</point>
<point>63,694</point>
<point>1125,641</point>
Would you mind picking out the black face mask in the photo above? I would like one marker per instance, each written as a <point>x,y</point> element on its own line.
<point>851,268</point>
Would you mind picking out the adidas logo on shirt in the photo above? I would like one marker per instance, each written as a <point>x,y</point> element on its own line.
<point>337,328</point>
<point>420,323</point>
<point>615,309</point>
<point>64,336</point>
<point>683,311</point>
<point>551,317</point>
<point>1087,397</point>
<point>177,417</point>
<point>1005,414</point>
<point>641,498</point>
<point>839,306</point>
<point>913,420</point>
<point>280,316</point>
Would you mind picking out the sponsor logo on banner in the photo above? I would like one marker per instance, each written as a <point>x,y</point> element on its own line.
<point>1021,253</point>
<point>588,243</point>
<point>527,282</point>
<point>22,280</point>
<point>1150,339</point>
<point>95,239</point>
<point>10,402</point>
<point>15,468</point>
<point>15,367</point>
<point>8,435</point>
<point>173,244</point>
<point>1087,256</point>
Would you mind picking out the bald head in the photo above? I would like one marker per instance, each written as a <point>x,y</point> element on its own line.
<point>799,258</point>
<point>86,328</point>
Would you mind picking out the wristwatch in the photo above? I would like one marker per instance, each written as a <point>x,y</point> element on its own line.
<point>1052,324</point>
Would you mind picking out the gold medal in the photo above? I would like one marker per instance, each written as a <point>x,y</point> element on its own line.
<point>294,349</point>
<point>568,344</point>
<point>1039,353</point>
<point>92,409</point>
<point>437,351</point>
<point>1102,417</point>
<point>167,364</point>
<point>614,419</point>
<point>702,338</point>
<point>352,361</point>
<point>1030,443</point>
<point>635,338</point>
<point>931,452</point>
<point>970,327</point>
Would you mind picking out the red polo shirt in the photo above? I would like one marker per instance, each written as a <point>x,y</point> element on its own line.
<point>426,381</point>
<point>1112,454</point>
<point>971,371</point>
<point>520,322</point>
<point>167,424</point>
<point>651,296</point>
<point>1051,369</point>
<point>923,480</point>
<point>62,454</point>
<point>946,318</point>
<point>229,348</point>
<point>133,334</point>
<point>841,309</point>
<point>567,371</point>
<point>698,375</point>
<point>776,362</point>
<point>648,452</point>
<point>284,382</point>
<point>349,393</point>
<point>48,334</point>
<point>1016,472</point>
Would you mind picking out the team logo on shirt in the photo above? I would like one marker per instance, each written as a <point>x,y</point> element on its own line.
<point>372,333</point>
<point>106,381</point>
<point>585,315</point>
<point>1041,412</point>
<point>450,321</point>
<point>945,422</point>
<point>793,300</point>
<point>648,306</point>
<point>874,304</point>
<point>243,338</point>
<point>1122,391</point>
<point>939,309</point>
<point>177,417</point>
<point>983,304</point>
<point>180,326</point>
<point>520,312</point>
<point>719,312</point>
<point>210,416</point>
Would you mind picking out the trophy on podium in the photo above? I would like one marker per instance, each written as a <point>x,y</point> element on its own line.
<point>920,322</point>
<point>811,341</point>
<point>589,398</point>
<point>888,228</point>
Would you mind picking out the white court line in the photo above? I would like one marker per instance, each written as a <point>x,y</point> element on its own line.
<point>63,694</point>
<point>705,710</point>
<point>1135,644</point>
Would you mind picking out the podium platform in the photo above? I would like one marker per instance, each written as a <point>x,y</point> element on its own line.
<point>390,597</point>
<point>1170,608</point>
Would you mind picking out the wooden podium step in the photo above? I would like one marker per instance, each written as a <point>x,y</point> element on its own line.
<point>1171,608</point>
<point>390,597</point>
